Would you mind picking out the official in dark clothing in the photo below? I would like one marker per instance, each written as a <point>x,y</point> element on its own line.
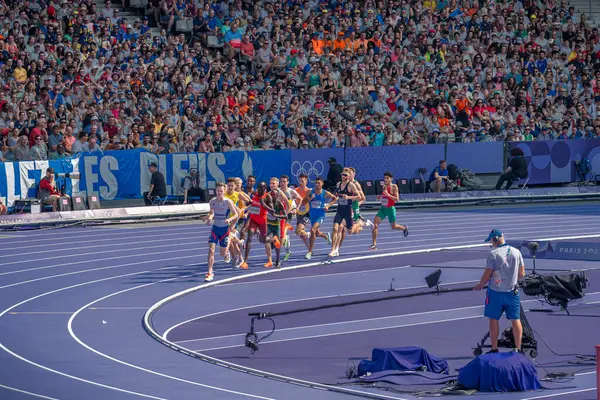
<point>517,169</point>
<point>334,175</point>
<point>158,186</point>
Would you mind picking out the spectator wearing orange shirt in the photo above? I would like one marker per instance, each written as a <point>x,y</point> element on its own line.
<point>339,43</point>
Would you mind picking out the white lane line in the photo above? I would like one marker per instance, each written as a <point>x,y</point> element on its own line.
<point>351,238</point>
<point>325,275</point>
<point>409,217</point>
<point>546,396</point>
<point>359,258</point>
<point>453,226</point>
<point>45,368</point>
<point>88,305</point>
<point>477,308</point>
<point>118,308</point>
<point>201,351</point>
<point>39,312</point>
<point>41,396</point>
<point>338,295</point>
<point>321,245</point>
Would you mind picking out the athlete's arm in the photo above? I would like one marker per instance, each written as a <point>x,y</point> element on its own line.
<point>211,211</point>
<point>354,191</point>
<point>363,198</point>
<point>308,197</point>
<point>268,205</point>
<point>232,210</point>
<point>296,196</point>
<point>393,192</point>
<point>332,197</point>
<point>244,196</point>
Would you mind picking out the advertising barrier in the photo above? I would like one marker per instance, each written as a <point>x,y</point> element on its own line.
<point>552,161</point>
<point>116,175</point>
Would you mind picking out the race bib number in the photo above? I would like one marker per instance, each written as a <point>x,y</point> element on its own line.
<point>316,204</point>
<point>343,202</point>
<point>303,208</point>
<point>254,210</point>
<point>384,201</point>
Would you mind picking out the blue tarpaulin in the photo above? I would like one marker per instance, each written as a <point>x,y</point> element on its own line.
<point>500,372</point>
<point>402,359</point>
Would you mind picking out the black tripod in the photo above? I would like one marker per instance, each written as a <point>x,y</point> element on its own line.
<point>507,339</point>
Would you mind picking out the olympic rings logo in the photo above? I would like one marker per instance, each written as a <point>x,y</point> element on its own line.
<point>312,170</point>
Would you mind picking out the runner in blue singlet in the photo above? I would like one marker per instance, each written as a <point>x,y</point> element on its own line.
<point>318,207</point>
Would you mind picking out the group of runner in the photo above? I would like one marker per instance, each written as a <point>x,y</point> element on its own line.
<point>239,214</point>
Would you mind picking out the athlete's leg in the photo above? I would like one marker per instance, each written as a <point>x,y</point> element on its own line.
<point>375,231</point>
<point>334,239</point>
<point>394,225</point>
<point>211,260</point>
<point>314,231</point>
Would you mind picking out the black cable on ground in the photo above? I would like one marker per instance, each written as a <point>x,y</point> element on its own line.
<point>355,302</point>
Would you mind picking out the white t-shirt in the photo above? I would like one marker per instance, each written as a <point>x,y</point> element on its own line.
<point>505,261</point>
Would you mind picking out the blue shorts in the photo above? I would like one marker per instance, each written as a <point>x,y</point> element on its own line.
<point>317,218</point>
<point>220,235</point>
<point>497,303</point>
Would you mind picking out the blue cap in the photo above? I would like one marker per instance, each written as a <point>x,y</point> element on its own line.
<point>495,233</point>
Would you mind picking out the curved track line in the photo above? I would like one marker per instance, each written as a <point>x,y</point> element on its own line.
<point>26,392</point>
<point>76,338</point>
<point>419,221</point>
<point>6,349</point>
<point>147,321</point>
<point>117,233</point>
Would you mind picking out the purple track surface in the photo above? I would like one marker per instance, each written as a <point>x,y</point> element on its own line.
<point>72,302</point>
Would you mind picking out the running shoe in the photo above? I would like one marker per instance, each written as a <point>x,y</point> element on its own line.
<point>286,241</point>
<point>328,237</point>
<point>369,224</point>
<point>276,243</point>
<point>492,351</point>
<point>334,253</point>
<point>244,265</point>
<point>238,264</point>
<point>269,264</point>
<point>242,245</point>
<point>287,255</point>
<point>278,264</point>
<point>228,258</point>
<point>308,256</point>
<point>209,277</point>
<point>373,247</point>
<point>406,231</point>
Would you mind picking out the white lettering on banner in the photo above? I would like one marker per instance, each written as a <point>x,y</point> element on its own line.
<point>107,165</point>
<point>213,162</point>
<point>26,181</point>
<point>10,183</point>
<point>91,177</point>
<point>162,167</point>
<point>247,168</point>
<point>179,172</point>
<point>75,188</point>
<point>145,160</point>
<point>201,165</point>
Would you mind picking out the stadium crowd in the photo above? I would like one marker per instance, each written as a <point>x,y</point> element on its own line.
<point>249,75</point>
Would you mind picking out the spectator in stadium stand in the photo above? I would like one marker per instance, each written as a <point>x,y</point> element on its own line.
<point>472,71</point>
<point>158,186</point>
<point>47,191</point>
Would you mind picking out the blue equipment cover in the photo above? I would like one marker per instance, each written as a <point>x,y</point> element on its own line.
<point>402,359</point>
<point>500,372</point>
